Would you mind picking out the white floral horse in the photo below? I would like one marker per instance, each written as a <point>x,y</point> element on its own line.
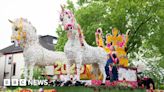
<point>76,49</point>
<point>24,35</point>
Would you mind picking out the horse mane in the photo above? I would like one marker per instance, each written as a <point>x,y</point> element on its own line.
<point>28,22</point>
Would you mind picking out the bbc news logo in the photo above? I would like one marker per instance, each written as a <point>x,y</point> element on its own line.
<point>24,82</point>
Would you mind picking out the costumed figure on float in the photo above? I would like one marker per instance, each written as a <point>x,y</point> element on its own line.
<point>116,48</point>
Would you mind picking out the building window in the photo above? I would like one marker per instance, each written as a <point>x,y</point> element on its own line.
<point>10,60</point>
<point>14,68</point>
<point>54,41</point>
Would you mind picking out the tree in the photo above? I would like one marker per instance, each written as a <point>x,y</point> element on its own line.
<point>61,39</point>
<point>150,64</point>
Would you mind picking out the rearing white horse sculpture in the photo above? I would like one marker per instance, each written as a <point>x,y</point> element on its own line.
<point>76,49</point>
<point>24,35</point>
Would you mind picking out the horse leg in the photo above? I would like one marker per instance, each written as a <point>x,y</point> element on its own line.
<point>25,71</point>
<point>78,65</point>
<point>102,69</point>
<point>31,71</point>
<point>95,70</point>
<point>68,65</point>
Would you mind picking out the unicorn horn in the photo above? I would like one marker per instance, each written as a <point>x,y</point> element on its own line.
<point>62,7</point>
<point>21,24</point>
<point>10,21</point>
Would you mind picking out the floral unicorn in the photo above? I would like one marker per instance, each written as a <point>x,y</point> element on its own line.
<point>76,48</point>
<point>24,35</point>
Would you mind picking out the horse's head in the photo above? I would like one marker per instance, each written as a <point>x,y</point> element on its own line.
<point>69,22</point>
<point>67,19</point>
<point>20,29</point>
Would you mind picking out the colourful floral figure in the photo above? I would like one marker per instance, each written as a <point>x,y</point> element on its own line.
<point>114,37</point>
<point>99,38</point>
<point>116,40</point>
<point>108,43</point>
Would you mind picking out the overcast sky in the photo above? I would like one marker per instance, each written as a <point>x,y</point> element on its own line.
<point>43,14</point>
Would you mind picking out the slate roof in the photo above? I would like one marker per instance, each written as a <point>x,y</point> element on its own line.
<point>46,41</point>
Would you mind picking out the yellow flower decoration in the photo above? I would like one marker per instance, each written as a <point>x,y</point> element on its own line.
<point>118,41</point>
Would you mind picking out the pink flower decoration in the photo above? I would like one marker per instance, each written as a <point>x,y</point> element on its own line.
<point>96,82</point>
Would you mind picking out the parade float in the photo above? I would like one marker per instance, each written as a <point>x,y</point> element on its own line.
<point>76,46</point>
<point>78,59</point>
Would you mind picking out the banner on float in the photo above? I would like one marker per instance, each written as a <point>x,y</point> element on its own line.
<point>86,71</point>
<point>128,74</point>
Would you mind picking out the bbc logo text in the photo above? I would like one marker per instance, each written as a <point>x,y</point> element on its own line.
<point>24,82</point>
